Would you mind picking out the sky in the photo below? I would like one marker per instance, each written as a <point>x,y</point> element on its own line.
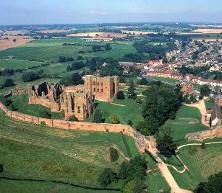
<point>108,11</point>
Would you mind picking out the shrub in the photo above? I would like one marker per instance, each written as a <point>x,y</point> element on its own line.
<point>114,156</point>
<point>120,95</point>
<point>98,116</point>
<point>107,177</point>
<point>74,79</point>
<point>1,168</point>
<point>73,118</point>
<point>43,123</point>
<point>115,120</point>
<point>130,122</point>
<point>80,57</point>
<point>203,145</point>
<point>30,76</point>
<point>8,83</point>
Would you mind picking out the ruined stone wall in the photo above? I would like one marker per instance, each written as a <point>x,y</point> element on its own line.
<point>35,100</point>
<point>202,135</point>
<point>86,126</point>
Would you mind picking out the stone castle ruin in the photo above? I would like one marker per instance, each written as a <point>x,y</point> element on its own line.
<point>77,101</point>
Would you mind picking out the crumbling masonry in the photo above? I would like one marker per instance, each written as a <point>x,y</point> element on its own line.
<point>77,100</point>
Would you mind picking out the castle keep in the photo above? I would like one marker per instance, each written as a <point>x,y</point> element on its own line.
<point>77,100</point>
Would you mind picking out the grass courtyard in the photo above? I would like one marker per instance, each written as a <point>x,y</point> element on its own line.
<point>20,103</point>
<point>188,120</point>
<point>125,110</point>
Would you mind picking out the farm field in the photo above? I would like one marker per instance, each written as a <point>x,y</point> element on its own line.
<point>201,163</point>
<point>209,30</point>
<point>50,50</point>
<point>40,152</point>
<point>9,43</point>
<point>188,120</point>
<point>18,64</point>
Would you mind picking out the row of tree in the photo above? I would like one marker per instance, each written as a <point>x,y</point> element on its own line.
<point>161,103</point>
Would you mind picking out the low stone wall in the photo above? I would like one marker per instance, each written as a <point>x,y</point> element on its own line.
<point>86,126</point>
<point>202,135</point>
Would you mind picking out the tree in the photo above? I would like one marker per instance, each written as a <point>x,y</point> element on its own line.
<point>8,83</point>
<point>120,95</point>
<point>143,81</point>
<point>73,118</point>
<point>107,177</point>
<point>165,143</point>
<point>108,47</point>
<point>74,79</point>
<point>1,168</point>
<point>161,103</point>
<point>75,66</point>
<point>115,120</point>
<point>131,91</point>
<point>134,186</point>
<point>80,57</point>
<point>204,91</point>
<point>213,185</point>
<point>114,156</point>
<point>96,48</point>
<point>30,76</point>
<point>98,116</point>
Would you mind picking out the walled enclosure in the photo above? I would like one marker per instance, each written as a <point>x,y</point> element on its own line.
<point>77,101</point>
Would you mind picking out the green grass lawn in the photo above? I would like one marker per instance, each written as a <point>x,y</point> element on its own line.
<point>201,163</point>
<point>124,109</point>
<point>20,103</point>
<point>18,64</point>
<point>209,103</point>
<point>188,120</point>
<point>163,79</point>
<point>31,151</point>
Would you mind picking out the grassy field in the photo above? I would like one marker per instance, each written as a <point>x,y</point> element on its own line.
<point>31,151</point>
<point>18,64</point>
<point>50,50</point>
<point>155,176</point>
<point>125,110</point>
<point>201,163</point>
<point>162,79</point>
<point>21,105</point>
<point>188,120</point>
<point>36,187</point>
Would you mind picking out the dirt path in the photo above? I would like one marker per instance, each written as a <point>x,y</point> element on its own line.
<point>165,171</point>
<point>199,144</point>
<point>202,108</point>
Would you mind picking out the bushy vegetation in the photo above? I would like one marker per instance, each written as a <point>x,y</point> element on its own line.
<point>73,79</point>
<point>98,116</point>
<point>8,83</point>
<point>161,103</point>
<point>165,143</point>
<point>132,173</point>
<point>114,155</point>
<point>31,76</point>
<point>213,185</point>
